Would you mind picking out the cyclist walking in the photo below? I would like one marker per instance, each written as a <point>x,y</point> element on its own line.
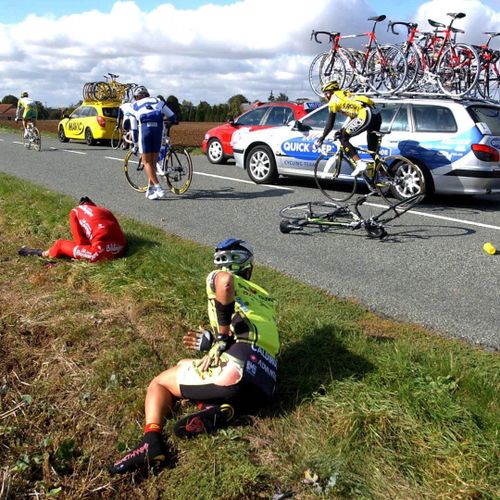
<point>239,371</point>
<point>28,107</point>
<point>146,122</point>
<point>362,117</point>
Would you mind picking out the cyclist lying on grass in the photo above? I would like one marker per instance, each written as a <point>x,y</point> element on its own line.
<point>97,235</point>
<point>238,375</point>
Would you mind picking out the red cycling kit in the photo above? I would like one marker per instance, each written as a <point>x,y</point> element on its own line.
<point>96,234</point>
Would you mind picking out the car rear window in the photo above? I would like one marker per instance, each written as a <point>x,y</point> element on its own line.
<point>252,117</point>
<point>110,112</point>
<point>487,114</point>
<point>433,119</point>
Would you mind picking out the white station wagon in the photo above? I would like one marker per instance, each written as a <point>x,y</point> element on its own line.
<point>456,144</point>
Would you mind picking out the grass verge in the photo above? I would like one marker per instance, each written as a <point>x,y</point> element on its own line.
<point>366,407</point>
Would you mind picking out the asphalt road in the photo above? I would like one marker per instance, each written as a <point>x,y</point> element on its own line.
<point>431,270</point>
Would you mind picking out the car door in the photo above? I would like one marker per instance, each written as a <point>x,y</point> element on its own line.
<point>295,151</point>
<point>75,123</point>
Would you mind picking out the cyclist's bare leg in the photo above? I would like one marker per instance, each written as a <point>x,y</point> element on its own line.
<point>149,161</point>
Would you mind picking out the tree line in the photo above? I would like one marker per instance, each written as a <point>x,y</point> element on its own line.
<point>185,110</point>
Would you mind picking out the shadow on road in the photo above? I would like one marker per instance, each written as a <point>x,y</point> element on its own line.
<point>232,194</point>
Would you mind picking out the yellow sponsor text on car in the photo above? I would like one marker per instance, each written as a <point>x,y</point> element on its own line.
<point>92,121</point>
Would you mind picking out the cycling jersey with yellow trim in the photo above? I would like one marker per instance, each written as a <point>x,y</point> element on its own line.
<point>254,318</point>
<point>29,107</point>
<point>350,104</point>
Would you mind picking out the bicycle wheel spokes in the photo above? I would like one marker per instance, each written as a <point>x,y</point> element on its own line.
<point>326,174</point>
<point>178,169</point>
<point>135,173</point>
<point>387,69</point>
<point>458,70</point>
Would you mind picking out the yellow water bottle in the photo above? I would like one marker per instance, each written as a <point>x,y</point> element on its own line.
<point>489,248</point>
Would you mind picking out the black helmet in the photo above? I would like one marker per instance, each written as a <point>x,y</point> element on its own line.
<point>235,255</point>
<point>141,91</point>
<point>24,94</point>
<point>330,86</point>
<point>85,199</point>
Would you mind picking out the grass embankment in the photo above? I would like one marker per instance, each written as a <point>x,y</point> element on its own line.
<point>372,408</point>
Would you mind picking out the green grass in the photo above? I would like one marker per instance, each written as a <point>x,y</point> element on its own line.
<point>370,407</point>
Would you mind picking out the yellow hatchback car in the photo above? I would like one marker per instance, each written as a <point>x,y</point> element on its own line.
<point>91,122</point>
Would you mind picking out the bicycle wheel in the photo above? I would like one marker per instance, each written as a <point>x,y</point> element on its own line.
<point>36,139</point>
<point>116,138</point>
<point>488,83</point>
<point>458,70</point>
<point>135,173</point>
<point>178,170</point>
<point>401,178</point>
<point>386,69</point>
<point>315,213</point>
<point>414,67</point>
<point>325,67</point>
<point>101,91</point>
<point>326,172</point>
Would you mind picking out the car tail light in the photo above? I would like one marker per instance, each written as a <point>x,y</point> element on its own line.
<point>484,152</point>
<point>101,121</point>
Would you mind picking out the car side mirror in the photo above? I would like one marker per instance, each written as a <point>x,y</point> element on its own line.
<point>232,122</point>
<point>300,127</point>
<point>65,116</point>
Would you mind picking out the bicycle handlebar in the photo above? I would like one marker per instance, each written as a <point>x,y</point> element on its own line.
<point>331,35</point>
<point>409,26</point>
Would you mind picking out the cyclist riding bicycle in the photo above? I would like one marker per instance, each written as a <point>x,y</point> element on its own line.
<point>363,117</point>
<point>146,123</point>
<point>29,111</point>
<point>237,375</point>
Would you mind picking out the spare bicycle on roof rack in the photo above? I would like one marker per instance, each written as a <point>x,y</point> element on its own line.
<point>426,63</point>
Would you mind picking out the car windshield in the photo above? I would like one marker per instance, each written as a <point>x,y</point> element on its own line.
<point>487,114</point>
<point>110,112</point>
<point>317,119</point>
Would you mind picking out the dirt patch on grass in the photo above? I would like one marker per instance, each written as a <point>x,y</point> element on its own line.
<point>186,133</point>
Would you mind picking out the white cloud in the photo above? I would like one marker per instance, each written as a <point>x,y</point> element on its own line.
<point>211,53</point>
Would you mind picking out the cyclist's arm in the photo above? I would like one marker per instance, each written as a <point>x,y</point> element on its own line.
<point>20,106</point>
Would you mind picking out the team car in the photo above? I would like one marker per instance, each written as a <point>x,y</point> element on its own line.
<point>454,143</point>
<point>217,141</point>
<point>91,122</point>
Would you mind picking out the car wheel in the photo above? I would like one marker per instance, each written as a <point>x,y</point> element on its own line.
<point>261,165</point>
<point>411,179</point>
<point>62,135</point>
<point>215,153</point>
<point>89,138</point>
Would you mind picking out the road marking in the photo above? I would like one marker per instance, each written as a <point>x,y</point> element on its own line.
<point>17,142</point>
<point>243,181</point>
<point>442,217</point>
<point>217,176</point>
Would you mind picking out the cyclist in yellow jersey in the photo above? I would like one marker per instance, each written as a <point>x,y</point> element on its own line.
<point>363,117</point>
<point>29,111</point>
<point>238,374</point>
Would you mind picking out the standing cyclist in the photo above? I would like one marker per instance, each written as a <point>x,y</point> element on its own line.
<point>30,112</point>
<point>239,371</point>
<point>146,123</point>
<point>362,117</point>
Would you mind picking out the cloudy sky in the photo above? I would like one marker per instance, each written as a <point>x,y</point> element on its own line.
<point>194,49</point>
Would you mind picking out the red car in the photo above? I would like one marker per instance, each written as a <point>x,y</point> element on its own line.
<point>217,142</point>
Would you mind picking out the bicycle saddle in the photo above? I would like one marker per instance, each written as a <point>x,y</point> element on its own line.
<point>457,30</point>
<point>494,33</point>
<point>459,15</point>
<point>377,19</point>
<point>435,24</point>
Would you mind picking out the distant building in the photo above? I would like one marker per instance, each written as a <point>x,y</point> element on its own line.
<point>7,111</point>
